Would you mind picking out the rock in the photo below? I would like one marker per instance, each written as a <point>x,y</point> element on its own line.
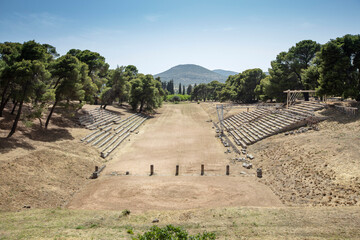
<point>250,156</point>
<point>247,165</point>
<point>155,220</point>
<point>26,206</point>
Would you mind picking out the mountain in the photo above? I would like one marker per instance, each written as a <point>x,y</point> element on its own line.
<point>225,73</point>
<point>190,74</point>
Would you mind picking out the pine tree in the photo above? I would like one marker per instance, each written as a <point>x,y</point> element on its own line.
<point>189,89</point>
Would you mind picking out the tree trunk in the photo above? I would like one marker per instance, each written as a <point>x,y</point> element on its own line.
<point>40,122</point>
<point>306,96</point>
<point>51,112</point>
<point>57,82</point>
<point>13,129</point>
<point>141,106</point>
<point>12,111</point>
<point>3,104</point>
<point>4,99</point>
<point>104,106</point>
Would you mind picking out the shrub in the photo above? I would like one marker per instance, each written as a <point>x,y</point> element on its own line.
<point>125,212</point>
<point>175,233</point>
<point>177,98</point>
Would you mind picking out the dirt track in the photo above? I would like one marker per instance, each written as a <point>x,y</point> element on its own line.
<point>178,135</point>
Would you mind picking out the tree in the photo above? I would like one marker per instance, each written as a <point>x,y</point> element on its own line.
<point>68,69</point>
<point>28,73</point>
<point>214,90</point>
<point>286,70</point>
<point>9,55</point>
<point>146,92</point>
<point>183,92</point>
<point>189,89</point>
<point>244,84</point>
<point>170,87</point>
<point>118,86</point>
<point>97,69</point>
<point>339,67</point>
<point>131,70</point>
<point>200,92</point>
<point>180,88</point>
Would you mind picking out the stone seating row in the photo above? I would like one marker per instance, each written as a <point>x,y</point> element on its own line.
<point>268,124</point>
<point>91,119</point>
<point>103,136</point>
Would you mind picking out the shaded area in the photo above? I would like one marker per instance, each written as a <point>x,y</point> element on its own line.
<point>338,116</point>
<point>8,144</point>
<point>49,135</point>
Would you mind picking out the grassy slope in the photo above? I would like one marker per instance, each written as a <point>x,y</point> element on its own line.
<point>227,223</point>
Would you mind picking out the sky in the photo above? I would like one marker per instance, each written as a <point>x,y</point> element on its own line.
<point>155,35</point>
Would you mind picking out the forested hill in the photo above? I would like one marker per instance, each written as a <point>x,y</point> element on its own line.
<point>190,74</point>
<point>226,73</point>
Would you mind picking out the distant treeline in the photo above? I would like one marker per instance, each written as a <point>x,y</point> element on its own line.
<point>331,69</point>
<point>34,73</point>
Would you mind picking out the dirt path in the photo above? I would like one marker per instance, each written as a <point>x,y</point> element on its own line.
<point>178,135</point>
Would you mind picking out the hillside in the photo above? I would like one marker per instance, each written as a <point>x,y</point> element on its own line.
<point>225,73</point>
<point>190,74</point>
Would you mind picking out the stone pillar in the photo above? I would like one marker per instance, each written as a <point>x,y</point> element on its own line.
<point>151,170</point>
<point>177,170</point>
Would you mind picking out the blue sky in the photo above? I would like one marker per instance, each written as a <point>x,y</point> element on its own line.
<point>156,35</point>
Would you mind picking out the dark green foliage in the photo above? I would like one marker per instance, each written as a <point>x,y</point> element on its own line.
<point>189,89</point>
<point>66,70</point>
<point>339,67</point>
<point>286,71</point>
<point>97,70</point>
<point>214,90</point>
<point>200,92</point>
<point>174,233</point>
<point>170,87</point>
<point>146,93</point>
<point>177,97</point>
<point>126,212</point>
<point>244,84</point>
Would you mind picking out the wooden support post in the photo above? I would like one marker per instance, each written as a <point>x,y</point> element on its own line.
<point>288,99</point>
<point>227,170</point>
<point>96,168</point>
<point>151,170</point>
<point>202,170</point>
<point>177,170</point>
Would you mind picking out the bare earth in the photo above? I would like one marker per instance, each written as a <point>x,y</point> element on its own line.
<point>178,135</point>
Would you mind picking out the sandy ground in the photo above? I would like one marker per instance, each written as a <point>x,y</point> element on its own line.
<point>43,168</point>
<point>317,168</point>
<point>177,135</point>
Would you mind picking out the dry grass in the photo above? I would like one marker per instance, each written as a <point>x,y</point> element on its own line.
<point>227,223</point>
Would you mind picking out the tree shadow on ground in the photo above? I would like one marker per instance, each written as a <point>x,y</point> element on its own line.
<point>123,107</point>
<point>49,135</point>
<point>8,144</point>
